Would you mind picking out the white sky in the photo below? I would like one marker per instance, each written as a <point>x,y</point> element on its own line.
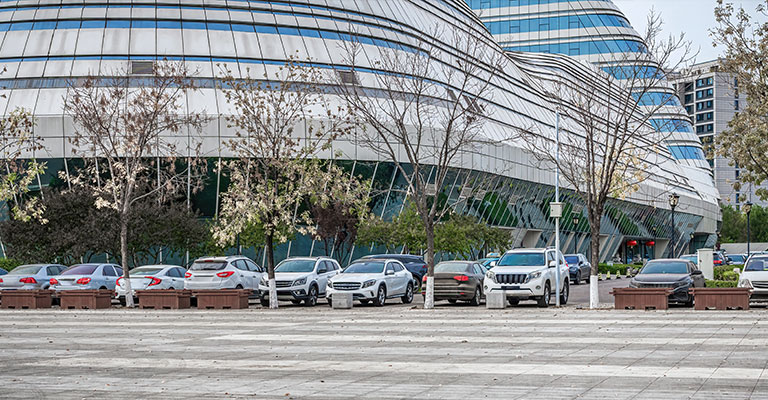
<point>693,17</point>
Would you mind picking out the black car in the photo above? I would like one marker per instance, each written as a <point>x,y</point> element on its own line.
<point>414,264</point>
<point>578,268</point>
<point>677,274</point>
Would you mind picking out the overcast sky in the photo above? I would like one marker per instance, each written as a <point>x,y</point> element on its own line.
<point>694,17</point>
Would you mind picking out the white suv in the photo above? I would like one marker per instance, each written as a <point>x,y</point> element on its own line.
<point>528,274</point>
<point>233,272</point>
<point>300,279</point>
<point>374,280</point>
<point>755,276</point>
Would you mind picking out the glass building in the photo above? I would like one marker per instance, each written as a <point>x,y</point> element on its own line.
<point>46,44</point>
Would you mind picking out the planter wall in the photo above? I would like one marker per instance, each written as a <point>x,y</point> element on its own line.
<point>164,299</point>
<point>222,299</point>
<point>641,298</point>
<point>721,298</point>
<point>85,299</point>
<point>26,299</point>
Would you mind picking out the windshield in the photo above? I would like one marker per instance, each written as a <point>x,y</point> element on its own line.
<point>522,260</point>
<point>25,270</point>
<point>208,265</point>
<point>452,267</point>
<point>736,258</point>
<point>296,266</point>
<point>145,271</point>
<point>759,264</point>
<point>365,267</point>
<point>665,267</point>
<point>693,259</point>
<point>83,269</point>
<point>572,259</point>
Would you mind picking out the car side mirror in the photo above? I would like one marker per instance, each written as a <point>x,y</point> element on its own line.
<point>322,271</point>
<point>697,272</point>
<point>552,264</point>
<point>389,272</point>
<point>492,264</point>
<point>737,270</point>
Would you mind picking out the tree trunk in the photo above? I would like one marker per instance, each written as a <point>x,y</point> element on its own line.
<point>429,300</point>
<point>269,240</point>
<point>124,258</point>
<point>594,247</point>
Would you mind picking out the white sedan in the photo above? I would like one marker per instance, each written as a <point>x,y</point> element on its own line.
<point>373,280</point>
<point>151,277</point>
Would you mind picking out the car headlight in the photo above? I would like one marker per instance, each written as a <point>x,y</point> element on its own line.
<point>329,284</point>
<point>264,281</point>
<point>533,275</point>
<point>632,283</point>
<point>369,283</point>
<point>684,282</point>
<point>299,282</point>
<point>745,283</point>
<point>491,275</point>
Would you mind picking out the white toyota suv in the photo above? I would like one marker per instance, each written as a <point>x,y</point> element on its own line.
<point>528,274</point>
<point>300,279</point>
<point>374,279</point>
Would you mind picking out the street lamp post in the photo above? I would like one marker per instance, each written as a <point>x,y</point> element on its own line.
<point>747,210</point>
<point>575,231</point>
<point>674,200</point>
<point>690,244</point>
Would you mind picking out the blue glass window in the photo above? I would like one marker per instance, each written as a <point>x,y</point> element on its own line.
<point>193,25</point>
<point>21,26</point>
<point>93,24</point>
<point>118,23</point>
<point>215,26</point>
<point>687,152</point>
<point>168,24</point>
<point>68,25</point>
<point>242,28</point>
<point>44,25</point>
<point>143,24</point>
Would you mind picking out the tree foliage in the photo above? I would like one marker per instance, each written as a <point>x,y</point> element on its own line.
<point>744,36</point>
<point>734,228</point>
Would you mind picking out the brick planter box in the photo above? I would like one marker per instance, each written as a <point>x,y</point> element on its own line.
<point>222,298</point>
<point>164,299</point>
<point>641,298</point>
<point>26,299</point>
<point>85,299</point>
<point>721,298</point>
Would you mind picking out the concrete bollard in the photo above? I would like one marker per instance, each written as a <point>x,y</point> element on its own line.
<point>496,300</point>
<point>342,300</point>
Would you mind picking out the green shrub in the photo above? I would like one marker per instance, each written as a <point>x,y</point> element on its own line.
<point>9,263</point>
<point>730,276</point>
<point>615,268</point>
<point>721,284</point>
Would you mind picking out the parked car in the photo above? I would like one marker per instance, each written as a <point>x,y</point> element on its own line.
<point>459,280</point>
<point>529,274</point>
<point>231,272</point>
<point>692,258</point>
<point>719,259</point>
<point>301,279</point>
<point>414,264</point>
<point>490,260</point>
<point>3,272</point>
<point>738,259</point>
<point>30,277</point>
<point>578,268</point>
<point>151,277</point>
<point>87,276</point>
<point>677,274</point>
<point>374,280</point>
<point>755,276</point>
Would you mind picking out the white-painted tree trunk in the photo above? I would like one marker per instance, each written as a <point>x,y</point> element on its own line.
<point>272,294</point>
<point>594,300</point>
<point>429,300</point>
<point>128,293</point>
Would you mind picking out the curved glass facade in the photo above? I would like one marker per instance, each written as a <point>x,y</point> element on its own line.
<point>48,44</point>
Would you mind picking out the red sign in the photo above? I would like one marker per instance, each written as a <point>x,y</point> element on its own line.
<point>650,243</point>
<point>632,243</point>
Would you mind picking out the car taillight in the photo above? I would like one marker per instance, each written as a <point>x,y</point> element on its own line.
<point>461,278</point>
<point>225,274</point>
<point>83,281</point>
<point>1,280</point>
<point>118,281</point>
<point>155,281</point>
<point>718,262</point>
<point>425,279</point>
<point>53,281</point>
<point>28,280</point>
<point>188,275</point>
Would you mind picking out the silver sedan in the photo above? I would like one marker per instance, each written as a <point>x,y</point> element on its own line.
<point>30,277</point>
<point>87,276</point>
<point>151,277</point>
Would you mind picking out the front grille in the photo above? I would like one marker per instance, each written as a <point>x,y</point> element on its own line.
<point>760,285</point>
<point>656,285</point>
<point>346,285</point>
<point>283,284</point>
<point>511,278</point>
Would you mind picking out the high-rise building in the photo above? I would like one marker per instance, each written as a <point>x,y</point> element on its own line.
<point>711,98</point>
<point>47,45</point>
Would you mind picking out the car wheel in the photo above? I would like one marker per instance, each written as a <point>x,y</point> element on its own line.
<point>311,301</point>
<point>364,301</point>
<point>578,278</point>
<point>264,302</point>
<point>476,298</point>
<point>452,301</point>
<point>543,301</point>
<point>588,279</point>
<point>408,296</point>
<point>296,302</point>
<point>239,287</point>
<point>381,296</point>
<point>513,302</point>
<point>565,293</point>
<point>122,301</point>
<point>689,303</point>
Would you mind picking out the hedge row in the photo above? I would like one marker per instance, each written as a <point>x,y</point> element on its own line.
<point>616,268</point>
<point>725,273</point>
<point>9,263</point>
<point>721,284</point>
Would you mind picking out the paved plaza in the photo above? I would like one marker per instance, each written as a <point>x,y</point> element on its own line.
<point>394,352</point>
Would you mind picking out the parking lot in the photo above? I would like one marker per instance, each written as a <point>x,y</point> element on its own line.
<point>394,352</point>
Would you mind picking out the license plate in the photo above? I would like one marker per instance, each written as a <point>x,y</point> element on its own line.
<point>511,287</point>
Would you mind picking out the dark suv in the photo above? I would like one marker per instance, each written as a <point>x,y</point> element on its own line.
<point>414,264</point>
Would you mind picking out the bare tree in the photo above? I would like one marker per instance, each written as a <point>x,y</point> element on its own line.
<point>283,122</point>
<point>428,106</point>
<point>122,124</point>
<point>612,130</point>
